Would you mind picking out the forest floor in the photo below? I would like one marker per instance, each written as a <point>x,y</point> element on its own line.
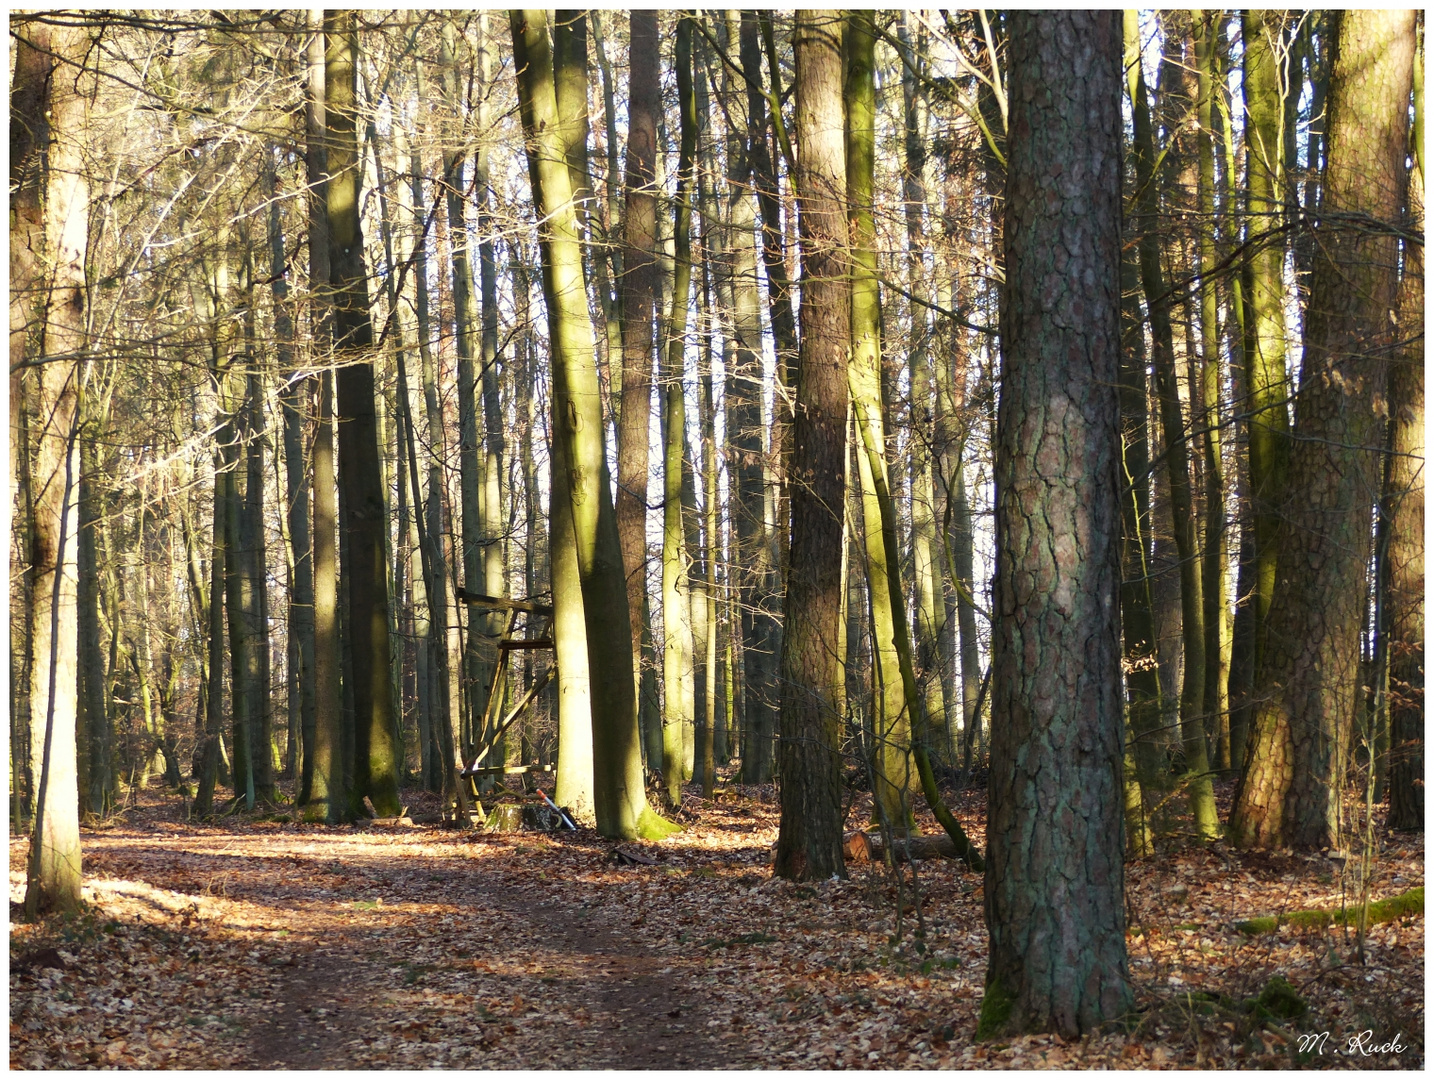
<point>255,942</point>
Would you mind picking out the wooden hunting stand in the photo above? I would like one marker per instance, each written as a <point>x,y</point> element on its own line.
<point>538,631</point>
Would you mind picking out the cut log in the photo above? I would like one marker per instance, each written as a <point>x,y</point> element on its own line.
<point>856,846</point>
<point>916,847</point>
<point>519,817</point>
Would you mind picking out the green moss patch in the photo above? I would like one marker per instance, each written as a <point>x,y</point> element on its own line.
<point>996,1005</point>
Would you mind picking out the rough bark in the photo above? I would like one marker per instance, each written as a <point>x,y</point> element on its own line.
<point>1054,878</point>
<point>812,684</point>
<point>1301,727</point>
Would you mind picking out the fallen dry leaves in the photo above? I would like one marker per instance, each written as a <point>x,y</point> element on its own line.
<point>269,944</point>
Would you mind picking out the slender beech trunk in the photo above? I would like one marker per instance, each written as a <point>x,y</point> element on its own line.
<point>1137,617</point>
<point>92,718</point>
<point>930,608</point>
<point>638,288</point>
<point>1267,386</point>
<point>717,702</point>
<point>1192,605</point>
<point>865,322</point>
<point>478,652</point>
<point>677,653</point>
<point>295,402</point>
<point>321,785</point>
<point>492,472</point>
<point>1215,589</point>
<point>756,596</point>
<point>891,714</point>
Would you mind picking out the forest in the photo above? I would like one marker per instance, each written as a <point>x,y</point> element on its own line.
<point>716,538</point>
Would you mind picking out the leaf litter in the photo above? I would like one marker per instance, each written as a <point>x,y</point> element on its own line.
<point>262,943</point>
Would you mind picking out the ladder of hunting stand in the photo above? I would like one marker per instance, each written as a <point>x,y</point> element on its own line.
<point>492,729</point>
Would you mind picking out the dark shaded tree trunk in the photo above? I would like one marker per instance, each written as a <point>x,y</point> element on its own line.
<point>1054,878</point>
<point>364,518</point>
<point>638,290</point>
<point>813,683</point>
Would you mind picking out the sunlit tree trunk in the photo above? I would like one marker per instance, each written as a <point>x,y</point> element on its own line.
<point>756,576</point>
<point>1216,554</point>
<point>1404,511</point>
<point>621,802</point>
<point>1266,385</point>
<point>51,201</point>
<point>1301,727</point>
<point>891,720</point>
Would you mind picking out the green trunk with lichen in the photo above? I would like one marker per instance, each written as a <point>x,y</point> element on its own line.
<point>621,801</point>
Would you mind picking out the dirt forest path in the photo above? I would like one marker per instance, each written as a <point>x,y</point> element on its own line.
<point>261,943</point>
<point>591,998</point>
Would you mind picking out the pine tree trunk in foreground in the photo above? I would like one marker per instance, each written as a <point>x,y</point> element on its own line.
<point>1054,877</point>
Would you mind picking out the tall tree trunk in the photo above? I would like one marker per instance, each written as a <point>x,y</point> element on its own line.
<point>639,297</point>
<point>1301,731</point>
<point>621,801</point>
<point>1267,387</point>
<point>756,597</point>
<point>364,521</point>
<point>1054,880</point>
<point>478,659</point>
<point>295,402</point>
<point>930,606</point>
<point>93,733</point>
<point>1404,511</point>
<point>1172,422</point>
<point>52,90</point>
<point>891,715</point>
<point>677,653</point>
<point>813,683</point>
<point>1215,590</point>
<point>492,472</point>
